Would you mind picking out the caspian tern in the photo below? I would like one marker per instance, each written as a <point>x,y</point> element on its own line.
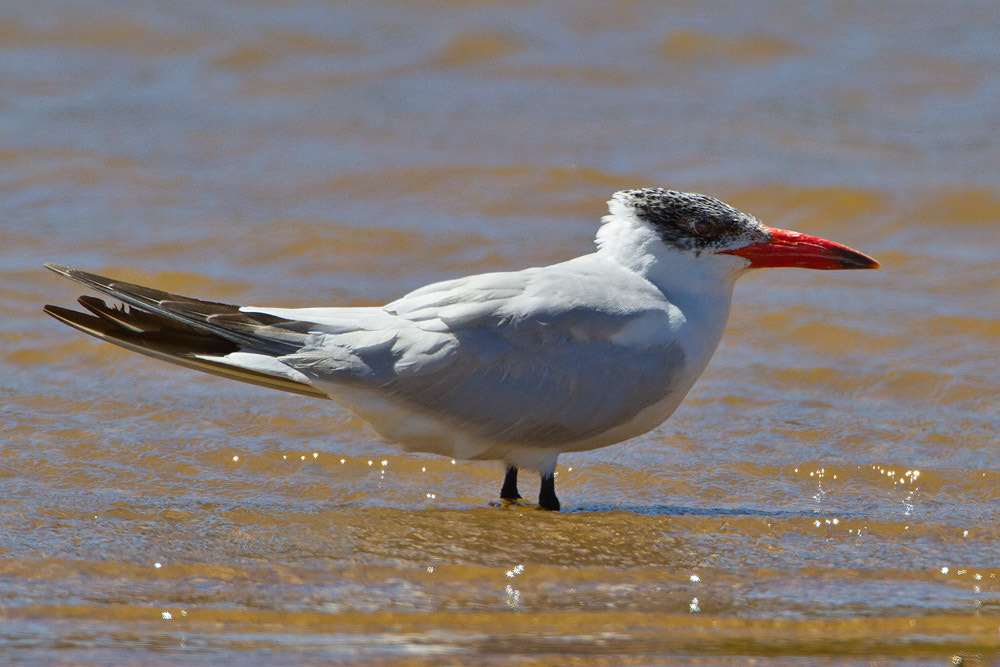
<point>516,366</point>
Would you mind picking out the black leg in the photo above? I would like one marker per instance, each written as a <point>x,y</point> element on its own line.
<point>547,494</point>
<point>509,490</point>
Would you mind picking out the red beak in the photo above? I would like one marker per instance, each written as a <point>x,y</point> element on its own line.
<point>786,248</point>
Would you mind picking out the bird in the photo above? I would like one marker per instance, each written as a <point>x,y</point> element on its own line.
<point>513,366</point>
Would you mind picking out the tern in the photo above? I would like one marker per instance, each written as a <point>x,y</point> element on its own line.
<point>515,366</point>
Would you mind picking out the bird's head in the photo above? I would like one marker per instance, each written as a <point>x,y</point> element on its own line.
<point>698,225</point>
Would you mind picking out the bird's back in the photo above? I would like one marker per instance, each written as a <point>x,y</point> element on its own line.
<point>548,357</point>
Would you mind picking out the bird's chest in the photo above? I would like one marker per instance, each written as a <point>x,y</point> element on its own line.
<point>673,374</point>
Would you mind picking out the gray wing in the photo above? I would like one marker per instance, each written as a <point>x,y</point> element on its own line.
<point>538,357</point>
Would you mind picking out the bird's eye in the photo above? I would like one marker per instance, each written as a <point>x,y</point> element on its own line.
<point>702,227</point>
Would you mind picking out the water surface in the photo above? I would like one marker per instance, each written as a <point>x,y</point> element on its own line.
<point>827,494</point>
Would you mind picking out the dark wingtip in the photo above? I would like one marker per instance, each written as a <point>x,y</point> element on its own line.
<point>58,268</point>
<point>64,315</point>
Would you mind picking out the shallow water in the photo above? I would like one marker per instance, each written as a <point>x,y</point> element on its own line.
<point>827,494</point>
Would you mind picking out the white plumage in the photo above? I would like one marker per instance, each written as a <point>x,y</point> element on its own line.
<point>515,366</point>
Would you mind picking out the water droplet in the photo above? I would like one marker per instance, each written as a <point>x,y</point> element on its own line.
<point>694,607</point>
<point>166,615</point>
<point>384,462</point>
<point>315,455</point>
<point>430,569</point>
<point>695,578</point>
<point>236,458</point>
<point>343,461</point>
<point>157,565</point>
<point>513,596</point>
<point>944,570</point>
<point>514,571</point>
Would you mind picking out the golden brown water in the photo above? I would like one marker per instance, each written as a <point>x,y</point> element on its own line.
<point>829,493</point>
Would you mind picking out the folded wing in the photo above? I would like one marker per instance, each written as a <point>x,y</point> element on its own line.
<point>210,337</point>
<point>533,357</point>
<point>538,357</point>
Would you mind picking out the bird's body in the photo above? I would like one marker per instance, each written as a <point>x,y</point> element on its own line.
<point>516,366</point>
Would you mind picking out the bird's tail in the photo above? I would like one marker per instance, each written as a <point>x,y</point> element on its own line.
<point>189,332</point>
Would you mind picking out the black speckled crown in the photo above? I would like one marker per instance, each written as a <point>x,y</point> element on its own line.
<point>691,221</point>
